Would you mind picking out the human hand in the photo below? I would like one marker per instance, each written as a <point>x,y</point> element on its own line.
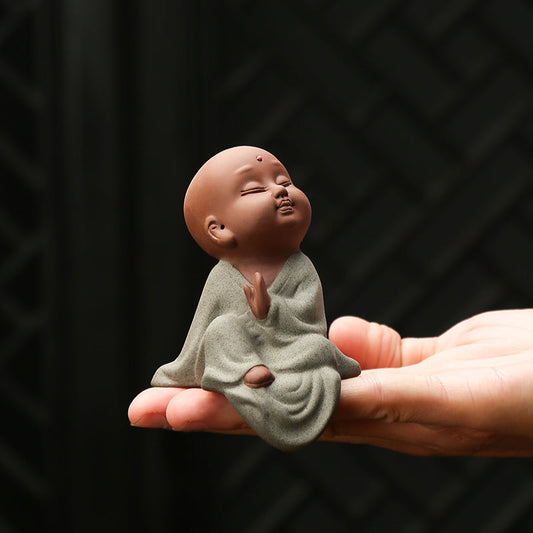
<point>258,298</point>
<point>467,392</point>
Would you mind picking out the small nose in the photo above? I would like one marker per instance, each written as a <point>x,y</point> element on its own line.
<point>280,191</point>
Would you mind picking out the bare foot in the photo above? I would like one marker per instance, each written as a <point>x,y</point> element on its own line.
<point>258,377</point>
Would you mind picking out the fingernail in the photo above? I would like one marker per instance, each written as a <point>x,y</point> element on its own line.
<point>151,420</point>
<point>192,426</point>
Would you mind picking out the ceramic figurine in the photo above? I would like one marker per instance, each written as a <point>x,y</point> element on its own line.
<point>259,332</point>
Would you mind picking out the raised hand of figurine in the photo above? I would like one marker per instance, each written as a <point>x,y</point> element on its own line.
<point>467,392</point>
<point>258,298</point>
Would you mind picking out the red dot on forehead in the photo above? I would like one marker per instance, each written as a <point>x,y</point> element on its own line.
<point>259,158</point>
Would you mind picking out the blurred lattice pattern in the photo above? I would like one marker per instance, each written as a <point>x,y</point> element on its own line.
<point>24,264</point>
<point>346,488</point>
<point>409,125</point>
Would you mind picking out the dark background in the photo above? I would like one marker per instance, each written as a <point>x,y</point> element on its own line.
<point>409,125</point>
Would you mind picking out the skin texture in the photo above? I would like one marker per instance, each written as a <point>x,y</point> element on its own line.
<point>258,298</point>
<point>243,207</point>
<point>466,392</point>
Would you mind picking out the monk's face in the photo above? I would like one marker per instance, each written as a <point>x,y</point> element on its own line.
<point>253,198</point>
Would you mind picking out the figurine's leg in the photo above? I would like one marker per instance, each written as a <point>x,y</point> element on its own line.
<point>232,356</point>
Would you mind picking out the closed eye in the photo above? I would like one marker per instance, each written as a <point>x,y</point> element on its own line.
<point>282,180</point>
<point>252,190</point>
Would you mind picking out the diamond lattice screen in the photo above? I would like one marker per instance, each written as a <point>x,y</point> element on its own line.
<point>24,266</point>
<point>408,124</point>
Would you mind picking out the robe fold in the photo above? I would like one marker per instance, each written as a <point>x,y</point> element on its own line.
<point>226,340</point>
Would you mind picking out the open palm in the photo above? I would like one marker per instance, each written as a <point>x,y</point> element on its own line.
<point>466,392</point>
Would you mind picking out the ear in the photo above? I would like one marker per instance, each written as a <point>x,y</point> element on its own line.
<point>218,233</point>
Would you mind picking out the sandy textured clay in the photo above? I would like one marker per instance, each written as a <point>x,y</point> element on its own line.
<point>226,340</point>
<point>259,332</point>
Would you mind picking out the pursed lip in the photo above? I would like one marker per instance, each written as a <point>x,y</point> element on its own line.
<point>285,203</point>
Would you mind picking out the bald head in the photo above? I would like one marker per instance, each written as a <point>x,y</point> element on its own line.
<point>217,216</point>
<point>203,196</point>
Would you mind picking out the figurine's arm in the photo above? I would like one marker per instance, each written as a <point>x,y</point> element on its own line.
<point>216,299</point>
<point>306,301</point>
<point>258,298</point>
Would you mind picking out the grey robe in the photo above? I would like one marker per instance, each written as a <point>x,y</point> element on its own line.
<point>226,340</point>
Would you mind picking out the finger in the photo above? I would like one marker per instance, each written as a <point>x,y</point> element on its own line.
<point>414,439</point>
<point>262,298</point>
<point>418,439</point>
<point>377,346</point>
<point>404,438</point>
<point>259,282</point>
<point>249,293</point>
<point>149,407</point>
<point>401,396</point>
<point>371,344</point>
<point>198,409</point>
<point>260,285</point>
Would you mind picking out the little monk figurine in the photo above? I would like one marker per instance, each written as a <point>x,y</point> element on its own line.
<point>259,332</point>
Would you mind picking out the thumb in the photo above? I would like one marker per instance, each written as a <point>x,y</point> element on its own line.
<point>376,345</point>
